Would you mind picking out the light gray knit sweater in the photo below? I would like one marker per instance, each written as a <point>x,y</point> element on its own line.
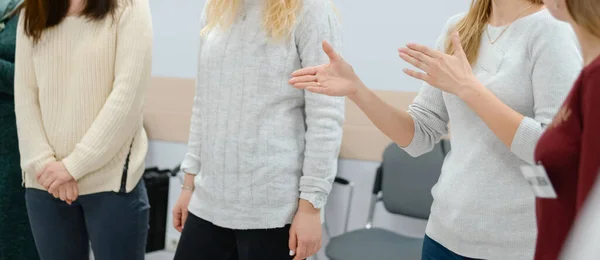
<point>483,207</point>
<point>258,143</point>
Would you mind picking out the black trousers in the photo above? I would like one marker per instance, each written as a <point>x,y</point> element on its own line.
<point>201,240</point>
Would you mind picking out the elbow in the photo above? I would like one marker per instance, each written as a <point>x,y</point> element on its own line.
<point>423,139</point>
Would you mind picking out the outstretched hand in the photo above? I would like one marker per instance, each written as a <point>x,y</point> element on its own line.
<point>449,73</point>
<point>336,78</point>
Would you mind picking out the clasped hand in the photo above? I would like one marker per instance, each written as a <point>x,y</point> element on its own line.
<point>58,181</point>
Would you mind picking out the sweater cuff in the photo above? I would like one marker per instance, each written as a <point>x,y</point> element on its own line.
<point>38,165</point>
<point>317,200</point>
<point>526,138</point>
<point>416,147</point>
<point>191,164</point>
<point>75,165</point>
<point>314,190</point>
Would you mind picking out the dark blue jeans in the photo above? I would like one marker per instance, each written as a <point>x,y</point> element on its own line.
<point>435,251</point>
<point>115,224</point>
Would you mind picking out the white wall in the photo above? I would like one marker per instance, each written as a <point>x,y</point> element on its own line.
<point>373,31</point>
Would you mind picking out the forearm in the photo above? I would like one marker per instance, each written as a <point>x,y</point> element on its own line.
<point>114,128</point>
<point>499,117</point>
<point>188,180</point>
<point>323,138</point>
<point>396,124</point>
<point>33,143</point>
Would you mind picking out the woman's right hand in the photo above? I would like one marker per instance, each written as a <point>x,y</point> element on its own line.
<point>337,78</point>
<point>180,212</point>
<point>67,192</point>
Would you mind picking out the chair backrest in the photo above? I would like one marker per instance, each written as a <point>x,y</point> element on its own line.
<point>406,181</point>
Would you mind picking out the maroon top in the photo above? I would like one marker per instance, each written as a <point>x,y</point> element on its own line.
<point>570,152</point>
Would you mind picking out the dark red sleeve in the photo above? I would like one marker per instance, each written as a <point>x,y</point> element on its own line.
<point>589,165</point>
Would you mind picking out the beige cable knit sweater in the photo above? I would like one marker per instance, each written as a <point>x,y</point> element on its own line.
<point>79,94</point>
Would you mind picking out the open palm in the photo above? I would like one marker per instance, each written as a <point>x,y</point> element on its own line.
<point>336,78</point>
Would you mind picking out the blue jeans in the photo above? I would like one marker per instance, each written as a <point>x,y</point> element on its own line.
<point>115,224</point>
<point>435,251</point>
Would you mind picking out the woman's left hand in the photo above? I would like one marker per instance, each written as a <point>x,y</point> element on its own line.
<point>305,232</point>
<point>53,176</point>
<point>449,73</point>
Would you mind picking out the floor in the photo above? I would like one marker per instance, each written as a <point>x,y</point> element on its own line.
<point>160,255</point>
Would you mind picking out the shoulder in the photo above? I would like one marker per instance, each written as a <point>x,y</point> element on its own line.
<point>317,13</point>
<point>543,28</point>
<point>591,73</point>
<point>448,26</point>
<point>316,9</point>
<point>133,6</point>
<point>453,21</point>
<point>316,5</point>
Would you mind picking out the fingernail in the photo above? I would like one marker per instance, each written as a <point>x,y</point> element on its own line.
<point>292,253</point>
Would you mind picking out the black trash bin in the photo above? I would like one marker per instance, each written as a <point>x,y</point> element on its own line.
<point>157,184</point>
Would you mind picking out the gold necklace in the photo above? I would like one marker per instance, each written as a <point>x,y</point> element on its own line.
<point>505,28</point>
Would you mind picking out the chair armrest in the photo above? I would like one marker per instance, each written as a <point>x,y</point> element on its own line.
<point>342,181</point>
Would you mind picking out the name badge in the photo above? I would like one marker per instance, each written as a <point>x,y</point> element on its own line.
<point>539,181</point>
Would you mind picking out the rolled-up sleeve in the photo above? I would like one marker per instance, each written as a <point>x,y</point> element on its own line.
<point>191,162</point>
<point>324,114</point>
<point>556,63</point>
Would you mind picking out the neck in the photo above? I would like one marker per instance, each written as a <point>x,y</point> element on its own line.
<point>506,11</point>
<point>590,44</point>
<point>76,6</point>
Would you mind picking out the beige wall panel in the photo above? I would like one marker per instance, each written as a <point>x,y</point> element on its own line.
<point>168,110</point>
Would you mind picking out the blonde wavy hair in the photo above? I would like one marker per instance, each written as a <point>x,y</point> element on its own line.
<point>586,13</point>
<point>279,16</point>
<point>471,28</point>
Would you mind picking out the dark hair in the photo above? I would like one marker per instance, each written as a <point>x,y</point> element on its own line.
<point>42,14</point>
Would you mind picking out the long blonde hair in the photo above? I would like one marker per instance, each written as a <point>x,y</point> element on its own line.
<point>471,28</point>
<point>279,16</point>
<point>586,13</point>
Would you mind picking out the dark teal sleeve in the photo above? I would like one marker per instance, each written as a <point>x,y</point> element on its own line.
<point>7,76</point>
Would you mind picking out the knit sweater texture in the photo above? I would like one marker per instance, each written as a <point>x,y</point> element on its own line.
<point>483,207</point>
<point>256,143</point>
<point>79,94</point>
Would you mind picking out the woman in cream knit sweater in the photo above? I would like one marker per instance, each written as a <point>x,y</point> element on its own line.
<point>80,79</point>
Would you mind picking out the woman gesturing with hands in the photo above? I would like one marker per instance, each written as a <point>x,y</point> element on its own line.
<point>452,73</point>
<point>337,78</point>
<point>497,77</point>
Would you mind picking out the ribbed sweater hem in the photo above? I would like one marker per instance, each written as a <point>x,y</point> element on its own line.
<point>232,216</point>
<point>477,249</point>
<point>95,182</point>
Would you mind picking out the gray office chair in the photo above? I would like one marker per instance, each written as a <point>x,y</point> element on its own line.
<point>403,184</point>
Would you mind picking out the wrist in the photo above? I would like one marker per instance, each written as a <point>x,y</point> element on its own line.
<point>472,89</point>
<point>359,91</point>
<point>306,207</point>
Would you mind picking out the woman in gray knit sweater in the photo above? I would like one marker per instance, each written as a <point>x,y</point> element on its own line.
<point>262,156</point>
<point>497,78</point>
